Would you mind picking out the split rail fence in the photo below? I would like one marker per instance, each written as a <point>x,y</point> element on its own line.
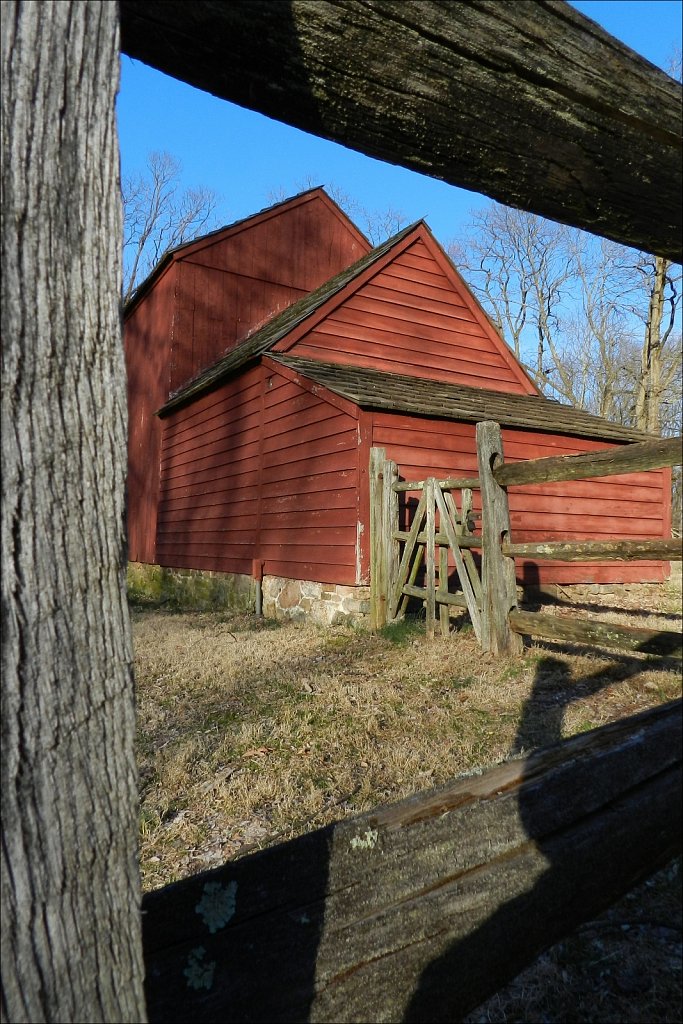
<point>443,523</point>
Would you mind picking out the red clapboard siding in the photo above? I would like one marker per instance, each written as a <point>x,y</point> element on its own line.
<point>304,466</point>
<point>192,310</point>
<point>205,473</point>
<point>415,316</point>
<point>260,469</point>
<point>630,506</point>
<point>234,281</point>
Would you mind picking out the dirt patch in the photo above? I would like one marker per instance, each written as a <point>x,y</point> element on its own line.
<point>252,732</point>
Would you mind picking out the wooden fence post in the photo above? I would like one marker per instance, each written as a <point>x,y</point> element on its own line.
<point>430,575</point>
<point>378,580</point>
<point>499,596</point>
<point>390,525</point>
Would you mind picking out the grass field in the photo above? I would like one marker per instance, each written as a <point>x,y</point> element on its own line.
<point>251,732</point>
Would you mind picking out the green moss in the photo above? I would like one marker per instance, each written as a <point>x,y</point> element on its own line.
<point>151,586</point>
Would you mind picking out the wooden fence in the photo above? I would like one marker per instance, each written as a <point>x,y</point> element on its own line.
<point>420,910</point>
<point>443,522</point>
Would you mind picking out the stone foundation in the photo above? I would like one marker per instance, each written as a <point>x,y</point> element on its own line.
<point>199,590</point>
<point>327,603</point>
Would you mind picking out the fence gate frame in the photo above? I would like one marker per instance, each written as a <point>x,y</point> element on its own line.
<point>437,527</point>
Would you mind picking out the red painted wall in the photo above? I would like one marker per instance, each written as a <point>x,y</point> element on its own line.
<point>416,316</point>
<point>627,507</point>
<point>263,469</point>
<point>213,293</point>
<point>147,343</point>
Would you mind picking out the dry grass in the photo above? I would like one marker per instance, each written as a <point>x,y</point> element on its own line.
<point>251,732</point>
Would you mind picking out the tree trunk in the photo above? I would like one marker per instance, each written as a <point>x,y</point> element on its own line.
<point>649,396</point>
<point>70,885</point>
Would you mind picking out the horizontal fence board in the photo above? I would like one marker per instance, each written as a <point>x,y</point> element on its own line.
<point>420,910</point>
<point>601,634</point>
<point>592,551</point>
<point>632,458</point>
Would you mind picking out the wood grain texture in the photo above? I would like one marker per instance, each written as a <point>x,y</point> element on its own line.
<point>499,595</point>
<point>597,634</point>
<point>633,458</point>
<point>419,910</point>
<point>585,131</point>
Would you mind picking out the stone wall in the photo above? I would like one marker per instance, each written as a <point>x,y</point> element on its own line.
<point>194,589</point>
<point>327,603</point>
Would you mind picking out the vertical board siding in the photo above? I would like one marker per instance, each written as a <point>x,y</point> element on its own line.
<point>310,479</point>
<point>413,318</point>
<point>147,344</point>
<point>237,282</point>
<point>626,507</point>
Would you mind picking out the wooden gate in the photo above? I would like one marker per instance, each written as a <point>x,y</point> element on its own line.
<point>413,562</point>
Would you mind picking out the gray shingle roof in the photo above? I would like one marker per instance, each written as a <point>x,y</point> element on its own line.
<point>376,389</point>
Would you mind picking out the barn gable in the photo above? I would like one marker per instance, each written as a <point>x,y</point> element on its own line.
<point>412,313</point>
<point>204,298</point>
<point>402,308</point>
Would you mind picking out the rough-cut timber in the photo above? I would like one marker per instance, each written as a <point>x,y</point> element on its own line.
<point>585,131</point>
<point>643,455</point>
<point>499,595</point>
<point>597,551</point>
<point>596,633</point>
<point>420,910</point>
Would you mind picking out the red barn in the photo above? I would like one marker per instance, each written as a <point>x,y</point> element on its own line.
<point>278,351</point>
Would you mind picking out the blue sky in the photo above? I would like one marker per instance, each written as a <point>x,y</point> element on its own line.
<point>247,158</point>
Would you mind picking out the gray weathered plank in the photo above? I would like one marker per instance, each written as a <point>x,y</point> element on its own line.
<point>584,131</point>
<point>597,633</point>
<point>632,458</point>
<point>420,910</point>
<point>498,571</point>
<point>598,550</point>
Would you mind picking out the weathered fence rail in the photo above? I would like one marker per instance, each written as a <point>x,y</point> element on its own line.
<point>421,910</point>
<point>502,622</point>
<point>439,528</point>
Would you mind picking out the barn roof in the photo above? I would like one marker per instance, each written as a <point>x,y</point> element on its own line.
<point>377,389</point>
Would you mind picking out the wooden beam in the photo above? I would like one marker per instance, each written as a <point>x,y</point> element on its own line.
<point>597,633</point>
<point>420,910</point>
<point>632,458</point>
<point>529,102</point>
<point>450,483</point>
<point>378,565</point>
<point>598,550</point>
<point>498,585</point>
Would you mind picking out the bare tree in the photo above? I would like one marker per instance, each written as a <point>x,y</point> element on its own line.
<point>70,922</point>
<point>376,225</point>
<point>593,322</point>
<point>521,267</point>
<point>159,215</point>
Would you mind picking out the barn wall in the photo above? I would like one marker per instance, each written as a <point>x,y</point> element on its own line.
<point>233,284</point>
<point>309,510</point>
<point>627,507</point>
<point>147,342</point>
<point>415,317</point>
<point>208,502</point>
<point>260,470</point>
